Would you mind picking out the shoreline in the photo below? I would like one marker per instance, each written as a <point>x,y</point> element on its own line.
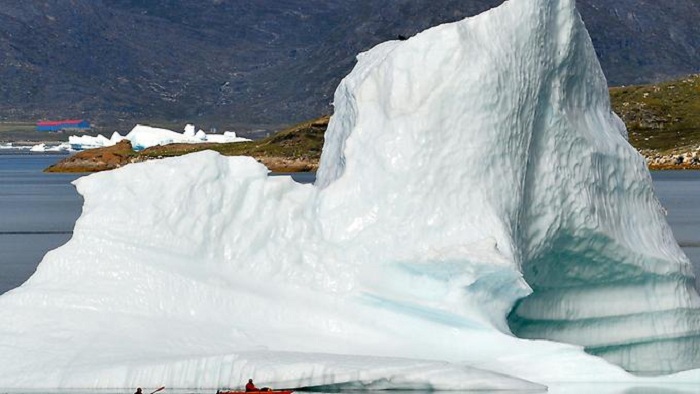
<point>681,159</point>
<point>104,159</point>
<point>107,158</point>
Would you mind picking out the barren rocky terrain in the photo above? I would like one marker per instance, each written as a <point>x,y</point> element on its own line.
<point>240,64</point>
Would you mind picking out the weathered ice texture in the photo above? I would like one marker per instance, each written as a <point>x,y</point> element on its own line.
<point>505,131</point>
<point>474,181</point>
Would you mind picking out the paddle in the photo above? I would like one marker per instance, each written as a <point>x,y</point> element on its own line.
<point>158,389</point>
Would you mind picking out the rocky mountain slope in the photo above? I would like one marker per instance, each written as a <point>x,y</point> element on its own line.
<point>238,63</point>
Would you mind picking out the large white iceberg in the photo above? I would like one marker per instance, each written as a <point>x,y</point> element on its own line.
<point>474,184</point>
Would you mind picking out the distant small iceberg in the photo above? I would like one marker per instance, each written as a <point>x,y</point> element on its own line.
<point>10,146</point>
<point>40,148</point>
<point>142,137</point>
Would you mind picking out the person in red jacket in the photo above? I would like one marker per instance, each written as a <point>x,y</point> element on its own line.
<point>250,386</point>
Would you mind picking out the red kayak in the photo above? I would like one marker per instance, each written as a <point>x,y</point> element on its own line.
<point>256,392</point>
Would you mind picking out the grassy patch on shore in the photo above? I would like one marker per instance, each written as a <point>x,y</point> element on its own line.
<point>661,117</point>
<point>17,126</point>
<point>303,141</point>
<point>25,131</point>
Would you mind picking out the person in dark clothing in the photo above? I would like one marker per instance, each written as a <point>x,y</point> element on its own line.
<point>250,386</point>
<point>138,391</point>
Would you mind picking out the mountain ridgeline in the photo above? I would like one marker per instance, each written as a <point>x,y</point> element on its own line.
<point>238,63</point>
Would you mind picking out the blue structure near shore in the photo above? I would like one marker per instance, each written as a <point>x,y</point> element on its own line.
<point>60,125</point>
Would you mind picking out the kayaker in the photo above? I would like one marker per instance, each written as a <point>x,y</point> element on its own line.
<point>250,386</point>
<point>138,390</point>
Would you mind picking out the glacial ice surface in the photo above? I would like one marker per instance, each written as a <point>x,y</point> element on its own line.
<point>474,184</point>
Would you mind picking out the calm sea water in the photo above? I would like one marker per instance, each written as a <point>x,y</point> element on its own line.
<point>37,214</point>
<point>679,192</point>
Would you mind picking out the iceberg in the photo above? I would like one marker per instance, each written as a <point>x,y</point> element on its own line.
<point>38,148</point>
<point>41,148</point>
<point>83,142</point>
<point>143,137</point>
<point>479,222</point>
<point>10,146</point>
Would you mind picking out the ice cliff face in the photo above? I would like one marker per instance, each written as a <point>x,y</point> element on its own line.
<point>474,181</point>
<point>506,130</point>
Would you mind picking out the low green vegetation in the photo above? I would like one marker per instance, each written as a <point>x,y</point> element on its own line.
<point>16,127</point>
<point>662,117</point>
<point>303,141</point>
<point>25,131</point>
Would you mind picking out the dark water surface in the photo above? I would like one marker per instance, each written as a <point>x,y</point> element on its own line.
<point>37,214</point>
<point>38,211</point>
<point>679,193</point>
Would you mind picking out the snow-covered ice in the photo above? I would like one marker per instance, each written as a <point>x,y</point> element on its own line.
<point>474,183</point>
<point>142,137</point>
